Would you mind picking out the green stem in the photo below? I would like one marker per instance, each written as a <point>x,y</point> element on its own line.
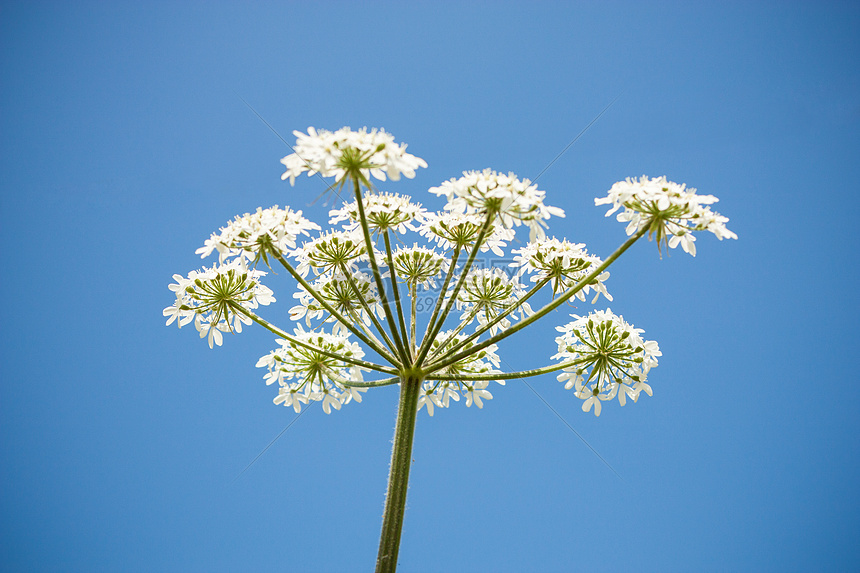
<point>440,300</point>
<point>392,274</point>
<point>542,312</point>
<point>511,375</point>
<point>400,349</point>
<point>514,306</point>
<point>398,477</point>
<point>366,307</point>
<point>359,383</point>
<point>413,294</point>
<point>457,331</point>
<point>425,347</point>
<point>277,331</point>
<point>370,383</point>
<point>319,298</point>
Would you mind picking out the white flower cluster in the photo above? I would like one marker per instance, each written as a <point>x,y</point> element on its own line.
<point>207,297</point>
<point>383,211</point>
<point>486,293</point>
<point>348,295</point>
<point>611,359</point>
<point>318,377</point>
<point>459,231</point>
<point>604,356</point>
<point>419,266</point>
<point>255,235</point>
<point>372,153</point>
<point>564,263</point>
<point>670,211</point>
<point>331,251</point>
<point>511,200</point>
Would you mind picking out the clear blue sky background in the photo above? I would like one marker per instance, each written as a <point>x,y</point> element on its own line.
<point>124,143</point>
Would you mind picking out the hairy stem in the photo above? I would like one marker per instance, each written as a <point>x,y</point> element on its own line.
<point>371,383</point>
<point>398,477</point>
<point>413,295</point>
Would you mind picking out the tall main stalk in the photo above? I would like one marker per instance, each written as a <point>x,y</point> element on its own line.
<point>398,476</point>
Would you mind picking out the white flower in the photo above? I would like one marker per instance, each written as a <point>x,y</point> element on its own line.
<point>208,298</point>
<point>670,212</point>
<point>477,391</point>
<point>340,292</point>
<point>610,356</point>
<point>351,393</point>
<point>460,231</point>
<point>592,398</point>
<point>329,400</point>
<point>329,252</point>
<point>438,394</point>
<point>383,212</point>
<point>564,263</point>
<point>641,386</point>
<point>430,398</point>
<point>319,377</point>
<point>289,395</point>
<point>489,292</point>
<point>184,315</point>
<point>360,153</point>
<point>624,390</point>
<point>508,199</point>
<point>418,265</point>
<point>448,391</point>
<point>256,235</point>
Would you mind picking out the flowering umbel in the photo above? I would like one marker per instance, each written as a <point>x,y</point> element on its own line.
<point>670,212</point>
<point>213,297</point>
<point>368,314</point>
<point>606,357</point>
<point>358,154</point>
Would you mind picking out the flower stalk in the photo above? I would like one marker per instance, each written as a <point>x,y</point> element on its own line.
<point>398,476</point>
<point>425,346</point>
<point>325,304</point>
<point>278,332</point>
<point>564,297</point>
<point>396,291</point>
<point>399,348</point>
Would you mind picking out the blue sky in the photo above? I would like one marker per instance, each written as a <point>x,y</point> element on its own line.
<point>125,144</point>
